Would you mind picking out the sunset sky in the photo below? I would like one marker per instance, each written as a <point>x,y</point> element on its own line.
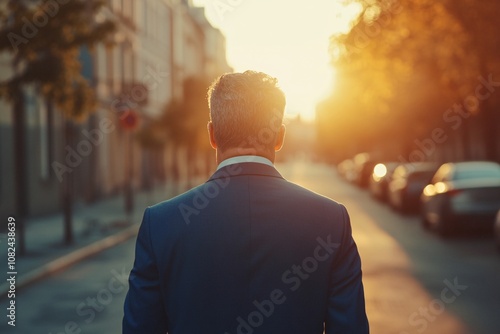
<point>284,38</point>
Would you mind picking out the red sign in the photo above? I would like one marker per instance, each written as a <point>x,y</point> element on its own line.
<point>129,120</point>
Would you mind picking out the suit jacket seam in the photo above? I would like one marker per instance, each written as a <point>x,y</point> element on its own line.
<point>155,262</point>
<point>250,234</point>
<point>150,240</point>
<point>344,230</point>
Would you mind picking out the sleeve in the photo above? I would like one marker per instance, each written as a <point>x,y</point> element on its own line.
<point>346,303</point>
<point>143,309</point>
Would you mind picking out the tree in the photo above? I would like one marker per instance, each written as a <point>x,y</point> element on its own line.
<point>44,39</point>
<point>480,21</point>
<point>185,122</point>
<point>404,63</point>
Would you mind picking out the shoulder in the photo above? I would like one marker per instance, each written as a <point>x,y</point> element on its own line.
<point>171,209</point>
<point>304,204</point>
<point>309,195</point>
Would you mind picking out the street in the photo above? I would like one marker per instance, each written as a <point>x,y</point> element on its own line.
<point>415,282</point>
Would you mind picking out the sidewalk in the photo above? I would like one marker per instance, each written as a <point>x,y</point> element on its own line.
<point>96,227</point>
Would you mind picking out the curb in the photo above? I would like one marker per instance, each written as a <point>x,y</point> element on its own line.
<point>70,259</point>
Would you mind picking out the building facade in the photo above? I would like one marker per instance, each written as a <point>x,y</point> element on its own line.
<point>135,74</point>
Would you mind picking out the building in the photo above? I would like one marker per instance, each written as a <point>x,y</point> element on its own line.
<point>141,68</point>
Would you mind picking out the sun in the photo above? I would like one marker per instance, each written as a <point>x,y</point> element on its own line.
<point>286,39</point>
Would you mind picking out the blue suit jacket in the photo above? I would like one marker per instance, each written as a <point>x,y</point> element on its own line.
<point>246,252</point>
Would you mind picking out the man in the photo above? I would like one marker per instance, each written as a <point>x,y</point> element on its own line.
<point>246,252</point>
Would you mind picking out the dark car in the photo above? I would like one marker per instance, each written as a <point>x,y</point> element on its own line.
<point>407,183</point>
<point>363,168</point>
<point>462,194</point>
<point>364,173</point>
<point>380,178</point>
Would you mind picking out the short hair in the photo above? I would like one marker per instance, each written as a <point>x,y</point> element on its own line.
<point>246,110</point>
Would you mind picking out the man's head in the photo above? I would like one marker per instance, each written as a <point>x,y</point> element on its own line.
<point>246,113</point>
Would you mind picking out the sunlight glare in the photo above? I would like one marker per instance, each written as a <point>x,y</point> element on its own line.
<point>286,39</point>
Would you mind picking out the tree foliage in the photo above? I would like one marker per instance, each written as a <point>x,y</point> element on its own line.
<point>45,38</point>
<point>185,121</point>
<point>403,63</point>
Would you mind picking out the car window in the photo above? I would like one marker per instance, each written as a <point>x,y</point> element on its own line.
<point>477,174</point>
<point>441,174</point>
<point>399,173</point>
<point>423,177</point>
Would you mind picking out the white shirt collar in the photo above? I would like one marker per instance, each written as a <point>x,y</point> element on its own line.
<point>245,158</point>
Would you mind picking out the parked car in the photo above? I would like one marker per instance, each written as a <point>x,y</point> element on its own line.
<point>380,178</point>
<point>363,168</point>
<point>462,194</point>
<point>497,230</point>
<point>408,182</point>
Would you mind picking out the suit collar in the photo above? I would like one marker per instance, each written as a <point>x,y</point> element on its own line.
<point>245,168</point>
<point>245,158</point>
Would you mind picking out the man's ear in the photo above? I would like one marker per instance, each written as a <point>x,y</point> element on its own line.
<point>280,138</point>
<point>211,136</point>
